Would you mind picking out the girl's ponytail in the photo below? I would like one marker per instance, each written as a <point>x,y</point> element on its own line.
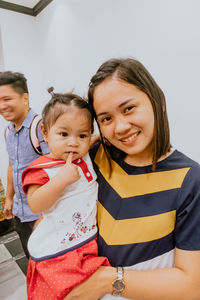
<point>50,91</point>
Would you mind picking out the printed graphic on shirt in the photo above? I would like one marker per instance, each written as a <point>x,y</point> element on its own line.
<point>79,228</point>
<point>71,221</point>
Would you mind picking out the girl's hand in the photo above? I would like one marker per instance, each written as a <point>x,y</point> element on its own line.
<point>95,287</point>
<point>69,172</point>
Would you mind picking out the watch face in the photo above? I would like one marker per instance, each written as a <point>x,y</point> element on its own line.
<point>119,285</point>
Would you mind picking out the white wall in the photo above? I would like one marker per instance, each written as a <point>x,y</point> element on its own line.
<point>18,53</point>
<point>65,44</point>
<point>1,54</point>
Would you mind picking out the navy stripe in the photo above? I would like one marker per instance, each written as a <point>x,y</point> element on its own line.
<point>176,160</point>
<point>129,255</point>
<point>139,206</point>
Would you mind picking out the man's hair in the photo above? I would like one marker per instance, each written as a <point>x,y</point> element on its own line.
<point>133,72</point>
<point>16,80</point>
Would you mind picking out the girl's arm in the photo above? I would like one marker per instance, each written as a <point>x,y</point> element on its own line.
<point>180,282</point>
<point>41,198</point>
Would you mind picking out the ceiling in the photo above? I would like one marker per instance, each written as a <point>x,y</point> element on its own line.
<point>28,7</point>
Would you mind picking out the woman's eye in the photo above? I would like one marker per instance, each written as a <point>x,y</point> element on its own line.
<point>106,119</point>
<point>64,134</point>
<point>82,136</point>
<point>129,108</point>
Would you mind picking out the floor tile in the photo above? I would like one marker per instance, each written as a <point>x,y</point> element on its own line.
<point>13,266</point>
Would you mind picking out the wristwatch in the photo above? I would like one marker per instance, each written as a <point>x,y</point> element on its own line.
<point>118,284</point>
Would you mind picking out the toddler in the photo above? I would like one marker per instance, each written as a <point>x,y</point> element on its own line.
<point>62,187</point>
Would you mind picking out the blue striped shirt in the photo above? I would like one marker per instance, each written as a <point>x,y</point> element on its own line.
<point>21,153</point>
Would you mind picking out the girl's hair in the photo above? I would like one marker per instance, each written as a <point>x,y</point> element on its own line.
<point>57,106</point>
<point>133,72</point>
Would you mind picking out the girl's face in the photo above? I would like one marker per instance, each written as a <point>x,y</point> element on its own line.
<point>126,119</point>
<point>70,133</point>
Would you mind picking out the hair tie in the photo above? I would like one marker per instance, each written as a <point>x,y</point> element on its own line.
<point>50,90</point>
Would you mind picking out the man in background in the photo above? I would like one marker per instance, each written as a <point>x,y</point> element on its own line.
<point>14,107</point>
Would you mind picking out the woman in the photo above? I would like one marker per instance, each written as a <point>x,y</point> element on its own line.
<point>149,195</point>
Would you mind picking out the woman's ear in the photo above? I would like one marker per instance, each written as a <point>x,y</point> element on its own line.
<point>44,132</point>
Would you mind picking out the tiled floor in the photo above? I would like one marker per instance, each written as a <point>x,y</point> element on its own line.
<point>13,266</point>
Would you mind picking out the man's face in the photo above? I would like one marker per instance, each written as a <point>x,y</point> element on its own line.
<point>13,106</point>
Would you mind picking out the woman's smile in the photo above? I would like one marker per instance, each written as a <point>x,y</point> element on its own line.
<point>128,140</point>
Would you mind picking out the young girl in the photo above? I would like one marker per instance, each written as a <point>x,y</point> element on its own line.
<point>62,186</point>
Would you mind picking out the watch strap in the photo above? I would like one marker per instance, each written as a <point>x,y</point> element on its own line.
<point>118,284</point>
<point>120,273</point>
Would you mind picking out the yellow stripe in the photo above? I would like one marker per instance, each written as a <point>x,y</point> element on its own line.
<point>137,230</point>
<point>134,185</point>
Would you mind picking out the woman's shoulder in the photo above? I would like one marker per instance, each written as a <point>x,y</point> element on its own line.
<point>182,161</point>
<point>178,159</point>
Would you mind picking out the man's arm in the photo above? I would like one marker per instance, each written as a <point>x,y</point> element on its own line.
<point>9,194</point>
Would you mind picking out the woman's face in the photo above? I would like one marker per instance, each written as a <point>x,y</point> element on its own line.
<point>126,119</point>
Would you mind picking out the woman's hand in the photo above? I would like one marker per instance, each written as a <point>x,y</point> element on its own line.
<point>95,287</point>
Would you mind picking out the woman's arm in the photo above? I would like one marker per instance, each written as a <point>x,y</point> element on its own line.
<point>181,282</point>
<point>41,198</point>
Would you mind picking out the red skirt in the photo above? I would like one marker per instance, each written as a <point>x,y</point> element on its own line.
<point>54,278</point>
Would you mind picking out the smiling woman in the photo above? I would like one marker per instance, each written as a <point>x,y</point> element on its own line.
<point>149,195</point>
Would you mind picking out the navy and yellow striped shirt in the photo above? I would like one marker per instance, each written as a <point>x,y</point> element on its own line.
<point>143,215</point>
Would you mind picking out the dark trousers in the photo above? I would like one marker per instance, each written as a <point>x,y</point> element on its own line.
<point>24,229</point>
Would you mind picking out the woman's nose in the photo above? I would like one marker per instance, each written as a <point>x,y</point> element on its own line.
<point>121,125</point>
